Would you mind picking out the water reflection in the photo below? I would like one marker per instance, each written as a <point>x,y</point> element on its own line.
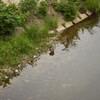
<point>70,36</point>
<point>7,76</point>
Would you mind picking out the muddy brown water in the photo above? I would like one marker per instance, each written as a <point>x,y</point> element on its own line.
<point>72,73</point>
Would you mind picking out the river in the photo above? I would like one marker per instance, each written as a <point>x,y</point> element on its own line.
<point>72,73</point>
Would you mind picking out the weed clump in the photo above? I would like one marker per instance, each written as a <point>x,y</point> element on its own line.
<point>10,18</point>
<point>93,5</point>
<point>14,49</point>
<point>42,10</point>
<point>51,22</point>
<point>69,10</point>
<point>28,5</point>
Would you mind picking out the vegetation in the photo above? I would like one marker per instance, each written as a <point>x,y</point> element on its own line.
<point>69,10</point>
<point>10,18</point>
<point>13,50</point>
<point>42,10</point>
<point>28,5</point>
<point>93,5</point>
<point>51,22</point>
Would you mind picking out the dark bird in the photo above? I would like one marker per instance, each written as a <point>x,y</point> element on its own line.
<point>51,51</point>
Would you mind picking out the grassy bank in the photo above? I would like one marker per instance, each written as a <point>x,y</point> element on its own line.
<point>14,50</point>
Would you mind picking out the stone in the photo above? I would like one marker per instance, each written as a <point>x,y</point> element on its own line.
<point>60,28</point>
<point>5,70</point>
<point>19,65</point>
<point>77,20</point>
<point>68,24</point>
<point>83,16</point>
<point>6,77</point>
<point>16,71</point>
<point>51,31</point>
<point>88,12</point>
<point>34,56</point>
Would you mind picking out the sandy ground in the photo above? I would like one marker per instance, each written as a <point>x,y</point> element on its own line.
<point>11,1</point>
<point>15,1</point>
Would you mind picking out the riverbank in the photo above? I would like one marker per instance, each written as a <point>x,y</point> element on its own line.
<point>66,39</point>
<point>7,73</point>
<point>26,47</point>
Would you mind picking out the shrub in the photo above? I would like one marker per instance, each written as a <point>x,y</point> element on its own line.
<point>7,20</point>
<point>28,5</point>
<point>79,5</point>
<point>59,7</point>
<point>93,5</point>
<point>42,10</point>
<point>69,10</point>
<point>10,18</point>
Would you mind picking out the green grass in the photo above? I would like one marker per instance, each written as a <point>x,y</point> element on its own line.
<point>42,10</point>
<point>28,5</point>
<point>51,22</point>
<point>69,9</point>
<point>13,50</point>
<point>93,5</point>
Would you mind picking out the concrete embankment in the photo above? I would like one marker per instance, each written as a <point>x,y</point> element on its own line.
<point>71,23</point>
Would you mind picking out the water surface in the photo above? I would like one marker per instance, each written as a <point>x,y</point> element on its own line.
<point>73,73</point>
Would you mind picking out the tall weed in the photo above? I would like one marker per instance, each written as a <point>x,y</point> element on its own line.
<point>93,5</point>
<point>51,22</point>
